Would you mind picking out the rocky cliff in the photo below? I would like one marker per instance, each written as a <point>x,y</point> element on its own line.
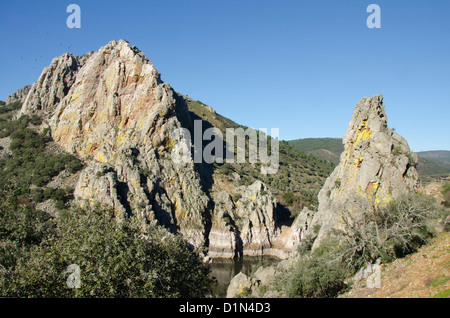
<point>376,166</point>
<point>19,95</point>
<point>112,109</point>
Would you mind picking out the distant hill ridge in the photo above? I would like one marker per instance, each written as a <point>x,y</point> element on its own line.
<point>433,162</point>
<point>440,155</point>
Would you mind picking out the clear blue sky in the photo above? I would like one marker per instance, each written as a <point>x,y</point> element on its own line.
<point>300,66</point>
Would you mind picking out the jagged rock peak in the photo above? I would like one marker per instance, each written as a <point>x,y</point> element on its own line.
<point>20,94</point>
<point>53,84</point>
<point>370,110</point>
<point>112,109</point>
<point>376,166</point>
<point>56,79</point>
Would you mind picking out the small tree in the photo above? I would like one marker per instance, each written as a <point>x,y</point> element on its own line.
<point>316,274</point>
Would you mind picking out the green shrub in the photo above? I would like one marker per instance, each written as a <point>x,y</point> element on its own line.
<point>313,277</point>
<point>115,259</point>
<point>48,192</point>
<point>289,198</point>
<point>37,195</point>
<point>35,120</point>
<point>236,197</point>
<point>30,163</point>
<point>6,108</point>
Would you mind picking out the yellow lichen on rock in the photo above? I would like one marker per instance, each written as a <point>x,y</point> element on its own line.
<point>120,138</point>
<point>382,197</point>
<point>90,147</point>
<point>100,157</point>
<point>357,161</point>
<point>364,132</point>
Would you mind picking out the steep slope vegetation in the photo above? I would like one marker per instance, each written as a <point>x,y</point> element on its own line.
<point>300,175</point>
<point>423,274</point>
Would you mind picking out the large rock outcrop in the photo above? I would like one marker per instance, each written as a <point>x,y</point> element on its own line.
<point>112,109</point>
<point>376,166</point>
<point>245,225</point>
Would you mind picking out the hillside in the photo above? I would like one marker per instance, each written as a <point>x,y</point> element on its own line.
<point>298,180</point>
<point>423,274</point>
<point>431,163</point>
<point>440,155</point>
<point>325,148</point>
<point>431,167</point>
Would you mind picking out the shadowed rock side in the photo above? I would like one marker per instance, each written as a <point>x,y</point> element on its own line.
<point>112,109</point>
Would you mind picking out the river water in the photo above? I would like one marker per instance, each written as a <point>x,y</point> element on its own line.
<point>225,269</point>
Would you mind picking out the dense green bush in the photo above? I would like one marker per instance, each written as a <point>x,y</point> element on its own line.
<point>116,259</point>
<point>313,276</point>
<point>289,198</point>
<point>6,108</point>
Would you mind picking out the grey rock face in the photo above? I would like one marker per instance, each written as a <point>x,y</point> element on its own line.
<point>238,285</point>
<point>247,225</point>
<point>21,95</point>
<point>53,84</point>
<point>112,109</point>
<point>264,276</point>
<point>376,165</point>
